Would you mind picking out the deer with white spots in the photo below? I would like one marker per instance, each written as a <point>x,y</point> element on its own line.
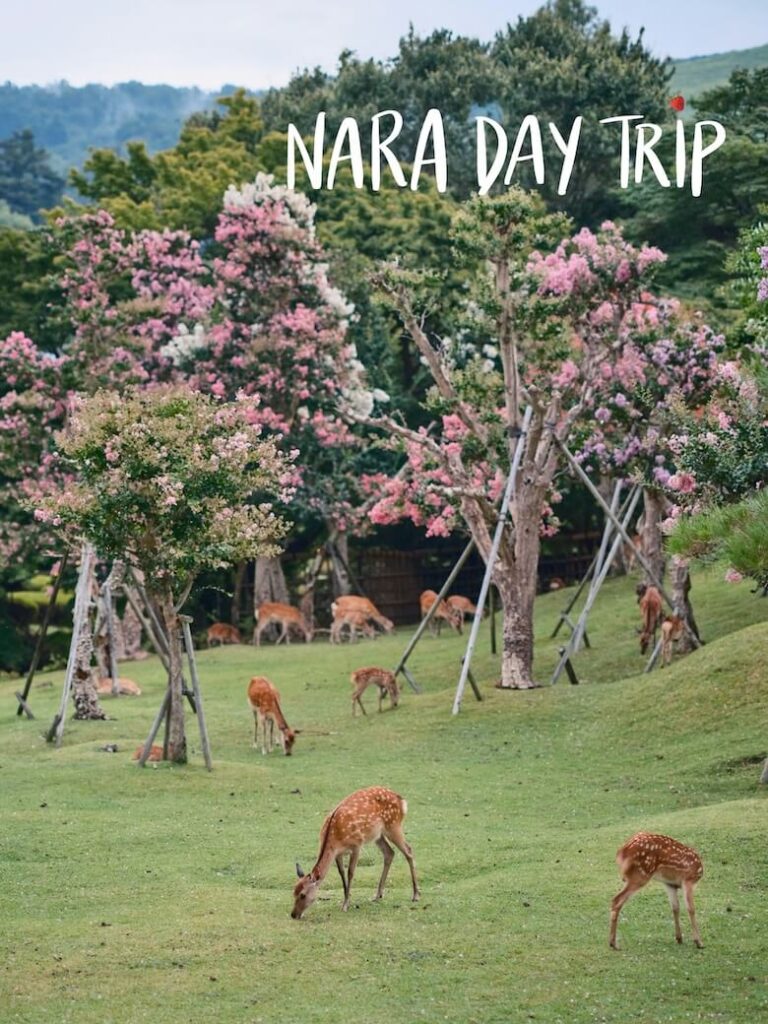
<point>647,856</point>
<point>385,680</point>
<point>267,713</point>
<point>372,815</point>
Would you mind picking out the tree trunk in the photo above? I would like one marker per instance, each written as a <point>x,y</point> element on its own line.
<point>681,586</point>
<point>84,695</point>
<point>515,577</point>
<point>655,510</point>
<point>237,593</point>
<point>338,548</point>
<point>132,630</point>
<point>269,582</point>
<point>269,585</point>
<point>764,776</point>
<point>177,741</point>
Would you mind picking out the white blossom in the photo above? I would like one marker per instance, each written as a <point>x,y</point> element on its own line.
<point>185,344</point>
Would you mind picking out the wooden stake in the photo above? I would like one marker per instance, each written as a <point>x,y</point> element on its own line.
<point>185,625</point>
<point>430,614</point>
<point>23,707</point>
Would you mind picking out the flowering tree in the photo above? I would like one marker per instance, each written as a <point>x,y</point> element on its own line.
<point>252,310</point>
<point>172,482</point>
<point>668,367</point>
<point>540,329</point>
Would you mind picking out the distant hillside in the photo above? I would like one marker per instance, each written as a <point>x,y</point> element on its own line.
<point>695,74</point>
<point>68,120</point>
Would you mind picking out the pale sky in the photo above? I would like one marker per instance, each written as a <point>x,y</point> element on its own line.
<point>258,44</point>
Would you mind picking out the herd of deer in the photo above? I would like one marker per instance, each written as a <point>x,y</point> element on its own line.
<point>376,815</point>
<point>358,615</point>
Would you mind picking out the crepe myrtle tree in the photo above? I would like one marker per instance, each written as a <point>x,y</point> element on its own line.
<point>539,323</point>
<point>173,482</point>
<point>251,310</point>
<point>671,363</point>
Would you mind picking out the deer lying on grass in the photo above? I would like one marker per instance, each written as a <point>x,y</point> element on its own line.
<point>127,687</point>
<point>646,856</point>
<point>284,615</point>
<point>354,621</point>
<point>462,605</point>
<point>444,613</point>
<point>650,603</point>
<point>368,816</point>
<point>222,633</point>
<point>671,632</point>
<point>155,753</point>
<point>265,704</point>
<point>362,678</point>
<point>361,605</point>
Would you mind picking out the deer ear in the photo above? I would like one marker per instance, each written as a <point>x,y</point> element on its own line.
<point>299,872</point>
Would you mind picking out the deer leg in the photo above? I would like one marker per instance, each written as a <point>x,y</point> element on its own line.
<point>350,875</point>
<point>271,738</point>
<point>618,902</point>
<point>255,729</point>
<point>356,699</point>
<point>389,855</point>
<point>340,866</point>
<point>395,833</point>
<point>688,893</point>
<point>674,902</point>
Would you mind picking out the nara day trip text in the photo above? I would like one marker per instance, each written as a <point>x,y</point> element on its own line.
<point>499,150</point>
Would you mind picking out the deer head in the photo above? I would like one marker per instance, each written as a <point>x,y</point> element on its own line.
<point>304,893</point>
<point>289,738</point>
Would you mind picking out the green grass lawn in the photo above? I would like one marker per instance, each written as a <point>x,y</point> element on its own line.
<point>164,894</point>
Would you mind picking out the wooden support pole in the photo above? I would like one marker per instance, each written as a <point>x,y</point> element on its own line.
<point>430,614</point>
<point>623,532</point>
<point>500,524</point>
<point>651,664</point>
<point>598,580</point>
<point>155,726</point>
<point>109,613</point>
<point>22,698</point>
<point>492,615</point>
<point>204,741</point>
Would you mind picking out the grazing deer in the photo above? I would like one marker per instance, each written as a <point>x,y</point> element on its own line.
<point>284,615</point>
<point>368,816</point>
<point>444,613</point>
<point>649,600</point>
<point>223,633</point>
<point>352,603</point>
<point>362,678</point>
<point>265,704</point>
<point>646,856</point>
<point>354,621</point>
<point>127,687</point>
<point>462,605</point>
<point>671,632</point>
<point>556,583</point>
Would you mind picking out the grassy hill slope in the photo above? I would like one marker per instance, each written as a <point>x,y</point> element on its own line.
<point>695,74</point>
<point>165,894</point>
